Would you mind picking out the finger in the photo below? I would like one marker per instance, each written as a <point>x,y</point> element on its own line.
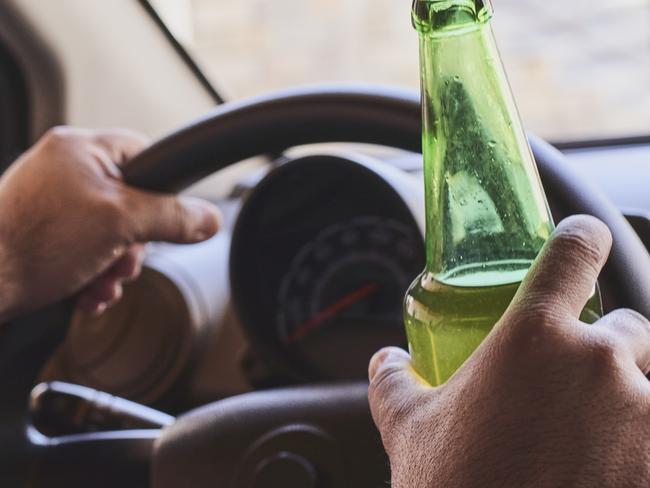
<point>100,295</point>
<point>91,307</point>
<point>631,331</point>
<point>565,273</point>
<point>183,220</point>
<point>121,145</point>
<point>393,384</point>
<point>129,266</point>
<point>107,289</point>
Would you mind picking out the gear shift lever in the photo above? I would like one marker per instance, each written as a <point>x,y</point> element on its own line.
<point>59,409</point>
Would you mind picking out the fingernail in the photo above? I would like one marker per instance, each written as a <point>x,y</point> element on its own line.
<point>118,291</point>
<point>99,309</point>
<point>384,356</point>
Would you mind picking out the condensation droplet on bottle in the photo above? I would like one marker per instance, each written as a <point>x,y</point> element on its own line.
<point>492,144</point>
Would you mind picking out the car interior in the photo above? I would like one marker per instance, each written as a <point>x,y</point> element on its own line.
<point>242,361</point>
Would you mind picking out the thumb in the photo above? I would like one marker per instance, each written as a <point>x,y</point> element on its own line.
<point>170,218</point>
<point>565,273</point>
<point>393,386</point>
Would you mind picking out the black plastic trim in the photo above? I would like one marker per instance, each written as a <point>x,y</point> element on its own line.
<point>182,52</point>
<point>640,221</point>
<point>602,143</point>
<point>39,67</point>
<point>14,109</point>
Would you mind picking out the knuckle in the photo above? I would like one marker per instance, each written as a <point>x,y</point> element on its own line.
<point>55,137</point>
<point>60,137</point>
<point>632,319</point>
<point>108,143</point>
<point>179,221</point>
<point>113,213</point>
<point>60,134</point>
<point>604,354</point>
<point>382,383</point>
<point>628,329</point>
<point>121,144</point>
<point>537,318</point>
<point>536,337</point>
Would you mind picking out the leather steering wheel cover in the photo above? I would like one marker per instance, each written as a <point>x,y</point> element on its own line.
<point>626,273</point>
<point>272,123</point>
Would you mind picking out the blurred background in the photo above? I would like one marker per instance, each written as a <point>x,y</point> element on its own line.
<point>580,69</point>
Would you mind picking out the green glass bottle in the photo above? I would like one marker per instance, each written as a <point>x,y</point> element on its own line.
<point>487,216</point>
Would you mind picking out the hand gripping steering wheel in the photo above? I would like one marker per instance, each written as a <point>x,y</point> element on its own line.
<point>304,436</point>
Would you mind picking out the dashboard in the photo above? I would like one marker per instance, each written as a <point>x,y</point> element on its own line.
<point>322,252</point>
<point>303,284</point>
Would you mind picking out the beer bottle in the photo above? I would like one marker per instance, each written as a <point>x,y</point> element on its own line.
<point>487,216</point>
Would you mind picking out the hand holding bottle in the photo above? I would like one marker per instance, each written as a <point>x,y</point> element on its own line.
<point>545,401</point>
<point>486,213</point>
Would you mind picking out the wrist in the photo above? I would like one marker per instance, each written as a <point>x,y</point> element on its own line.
<point>7,305</point>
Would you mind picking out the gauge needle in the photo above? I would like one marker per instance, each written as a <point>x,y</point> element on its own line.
<point>345,302</point>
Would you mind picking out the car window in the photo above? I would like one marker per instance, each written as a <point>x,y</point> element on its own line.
<point>580,70</point>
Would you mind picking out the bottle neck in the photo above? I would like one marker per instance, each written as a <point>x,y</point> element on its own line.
<point>487,216</point>
<point>438,17</point>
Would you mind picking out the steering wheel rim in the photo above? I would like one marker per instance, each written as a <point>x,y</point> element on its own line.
<point>374,115</point>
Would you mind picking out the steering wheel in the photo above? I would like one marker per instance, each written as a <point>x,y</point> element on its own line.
<point>319,435</point>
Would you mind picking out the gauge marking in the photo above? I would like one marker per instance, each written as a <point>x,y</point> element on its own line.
<point>352,297</point>
<point>329,312</point>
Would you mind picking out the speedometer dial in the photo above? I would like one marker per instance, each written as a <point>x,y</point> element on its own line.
<point>322,254</point>
<point>344,291</point>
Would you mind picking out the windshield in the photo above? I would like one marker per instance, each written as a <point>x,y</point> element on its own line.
<point>580,70</point>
